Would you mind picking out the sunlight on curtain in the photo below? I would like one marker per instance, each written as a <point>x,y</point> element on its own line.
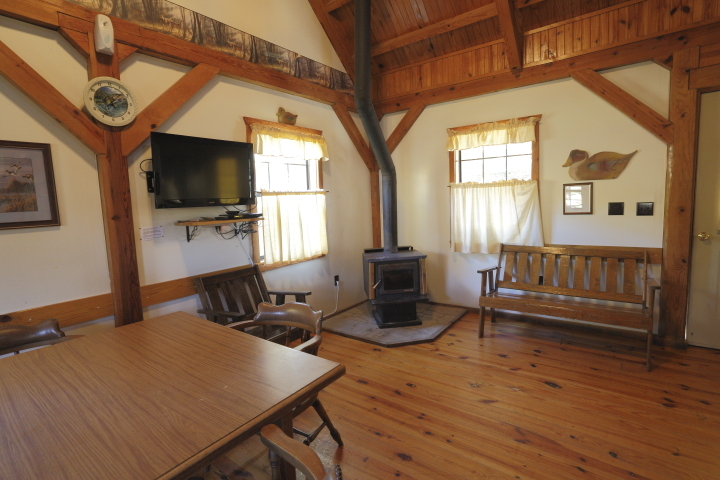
<point>280,142</point>
<point>492,133</point>
<point>293,226</point>
<point>484,215</point>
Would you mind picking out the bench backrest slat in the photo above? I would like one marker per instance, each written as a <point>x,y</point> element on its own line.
<point>582,272</point>
<point>595,274</point>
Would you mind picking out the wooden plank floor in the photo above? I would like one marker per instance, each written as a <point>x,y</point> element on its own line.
<point>526,402</point>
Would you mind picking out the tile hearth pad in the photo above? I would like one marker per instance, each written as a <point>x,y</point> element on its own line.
<point>358,323</point>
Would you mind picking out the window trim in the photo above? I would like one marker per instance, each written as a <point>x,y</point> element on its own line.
<point>454,156</point>
<point>248,136</point>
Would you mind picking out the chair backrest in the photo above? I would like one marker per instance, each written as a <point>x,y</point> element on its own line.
<point>280,323</point>
<point>297,454</point>
<point>14,338</point>
<point>237,291</point>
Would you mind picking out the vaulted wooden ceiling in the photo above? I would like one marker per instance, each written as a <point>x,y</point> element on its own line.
<point>421,46</point>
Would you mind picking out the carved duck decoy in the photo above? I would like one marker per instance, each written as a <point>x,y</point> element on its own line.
<point>601,166</point>
<point>286,117</point>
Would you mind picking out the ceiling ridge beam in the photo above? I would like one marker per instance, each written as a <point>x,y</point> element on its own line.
<point>404,126</point>
<point>643,115</point>
<point>163,107</point>
<point>353,131</point>
<point>514,40</point>
<point>437,28</point>
<point>47,97</point>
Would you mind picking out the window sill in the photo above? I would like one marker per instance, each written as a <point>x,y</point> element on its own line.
<point>264,267</point>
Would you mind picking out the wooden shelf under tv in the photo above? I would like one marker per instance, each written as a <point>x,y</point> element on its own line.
<point>211,223</point>
<point>207,223</point>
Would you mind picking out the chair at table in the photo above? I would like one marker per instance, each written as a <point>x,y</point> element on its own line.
<point>296,454</point>
<point>234,296</point>
<point>305,319</point>
<point>15,338</point>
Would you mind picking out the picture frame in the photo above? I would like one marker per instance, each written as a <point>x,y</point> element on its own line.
<point>27,186</point>
<point>578,198</point>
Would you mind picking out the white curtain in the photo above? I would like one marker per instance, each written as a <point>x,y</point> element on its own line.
<point>493,133</point>
<point>484,215</point>
<point>293,226</point>
<point>284,142</point>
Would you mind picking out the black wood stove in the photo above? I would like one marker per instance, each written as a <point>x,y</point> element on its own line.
<point>394,283</point>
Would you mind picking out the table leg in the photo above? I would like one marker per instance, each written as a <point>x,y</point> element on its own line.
<point>287,471</point>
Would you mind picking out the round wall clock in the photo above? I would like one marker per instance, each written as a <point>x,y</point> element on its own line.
<point>110,101</point>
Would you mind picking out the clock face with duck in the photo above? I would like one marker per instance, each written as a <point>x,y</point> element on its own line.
<point>110,101</point>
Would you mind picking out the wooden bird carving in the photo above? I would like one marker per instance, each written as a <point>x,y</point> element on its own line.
<point>286,117</point>
<point>601,166</point>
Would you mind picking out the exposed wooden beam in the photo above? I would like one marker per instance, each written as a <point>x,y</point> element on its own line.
<point>706,78</point>
<point>679,198</point>
<point>333,5</point>
<point>665,62</point>
<point>507,15</point>
<point>187,53</point>
<point>526,3</point>
<point>404,127</point>
<point>162,108</point>
<point>344,47</point>
<point>612,57</point>
<point>467,18</point>
<point>645,116</point>
<point>39,90</point>
<point>124,51</point>
<point>354,133</point>
<point>78,40</point>
<point>117,208</point>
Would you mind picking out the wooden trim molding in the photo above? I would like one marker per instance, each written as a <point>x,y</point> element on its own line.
<point>87,309</point>
<point>645,116</point>
<point>706,79</point>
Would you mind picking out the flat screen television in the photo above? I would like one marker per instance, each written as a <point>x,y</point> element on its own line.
<point>201,172</point>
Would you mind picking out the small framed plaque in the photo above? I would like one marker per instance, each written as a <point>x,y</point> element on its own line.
<point>578,198</point>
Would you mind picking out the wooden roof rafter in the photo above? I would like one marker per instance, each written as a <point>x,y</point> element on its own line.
<point>507,14</point>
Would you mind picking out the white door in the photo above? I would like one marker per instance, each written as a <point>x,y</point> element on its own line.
<point>704,309</point>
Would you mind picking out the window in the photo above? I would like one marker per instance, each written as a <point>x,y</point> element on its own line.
<point>474,159</point>
<point>494,193</point>
<point>288,176</point>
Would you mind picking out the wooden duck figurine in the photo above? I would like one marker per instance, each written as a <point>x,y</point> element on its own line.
<point>286,117</point>
<point>601,166</point>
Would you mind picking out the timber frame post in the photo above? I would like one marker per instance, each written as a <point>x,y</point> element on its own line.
<point>117,207</point>
<point>679,199</point>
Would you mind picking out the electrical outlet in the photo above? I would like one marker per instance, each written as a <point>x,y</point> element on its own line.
<point>337,280</point>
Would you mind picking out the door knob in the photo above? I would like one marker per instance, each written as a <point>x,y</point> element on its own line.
<point>703,235</point>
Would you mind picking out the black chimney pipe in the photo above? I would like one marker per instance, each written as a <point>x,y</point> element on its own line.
<point>363,102</point>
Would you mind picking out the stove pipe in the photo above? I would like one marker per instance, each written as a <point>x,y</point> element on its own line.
<point>363,102</point>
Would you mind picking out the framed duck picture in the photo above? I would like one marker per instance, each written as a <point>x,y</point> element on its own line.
<point>27,186</point>
<point>578,198</point>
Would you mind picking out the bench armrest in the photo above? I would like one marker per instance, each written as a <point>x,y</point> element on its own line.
<point>652,286</point>
<point>289,293</point>
<point>213,315</point>
<point>280,296</point>
<point>488,280</point>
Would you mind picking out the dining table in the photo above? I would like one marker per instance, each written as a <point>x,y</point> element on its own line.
<point>157,399</point>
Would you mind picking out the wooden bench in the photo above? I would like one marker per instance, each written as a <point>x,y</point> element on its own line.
<point>543,279</point>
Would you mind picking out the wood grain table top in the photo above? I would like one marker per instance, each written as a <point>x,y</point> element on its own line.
<point>152,400</point>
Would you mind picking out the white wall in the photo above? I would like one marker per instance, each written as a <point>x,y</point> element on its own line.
<point>42,266</point>
<point>573,118</point>
<point>292,25</point>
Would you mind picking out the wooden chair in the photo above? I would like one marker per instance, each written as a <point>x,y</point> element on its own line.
<point>234,296</point>
<point>304,318</point>
<point>298,455</point>
<point>15,338</point>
